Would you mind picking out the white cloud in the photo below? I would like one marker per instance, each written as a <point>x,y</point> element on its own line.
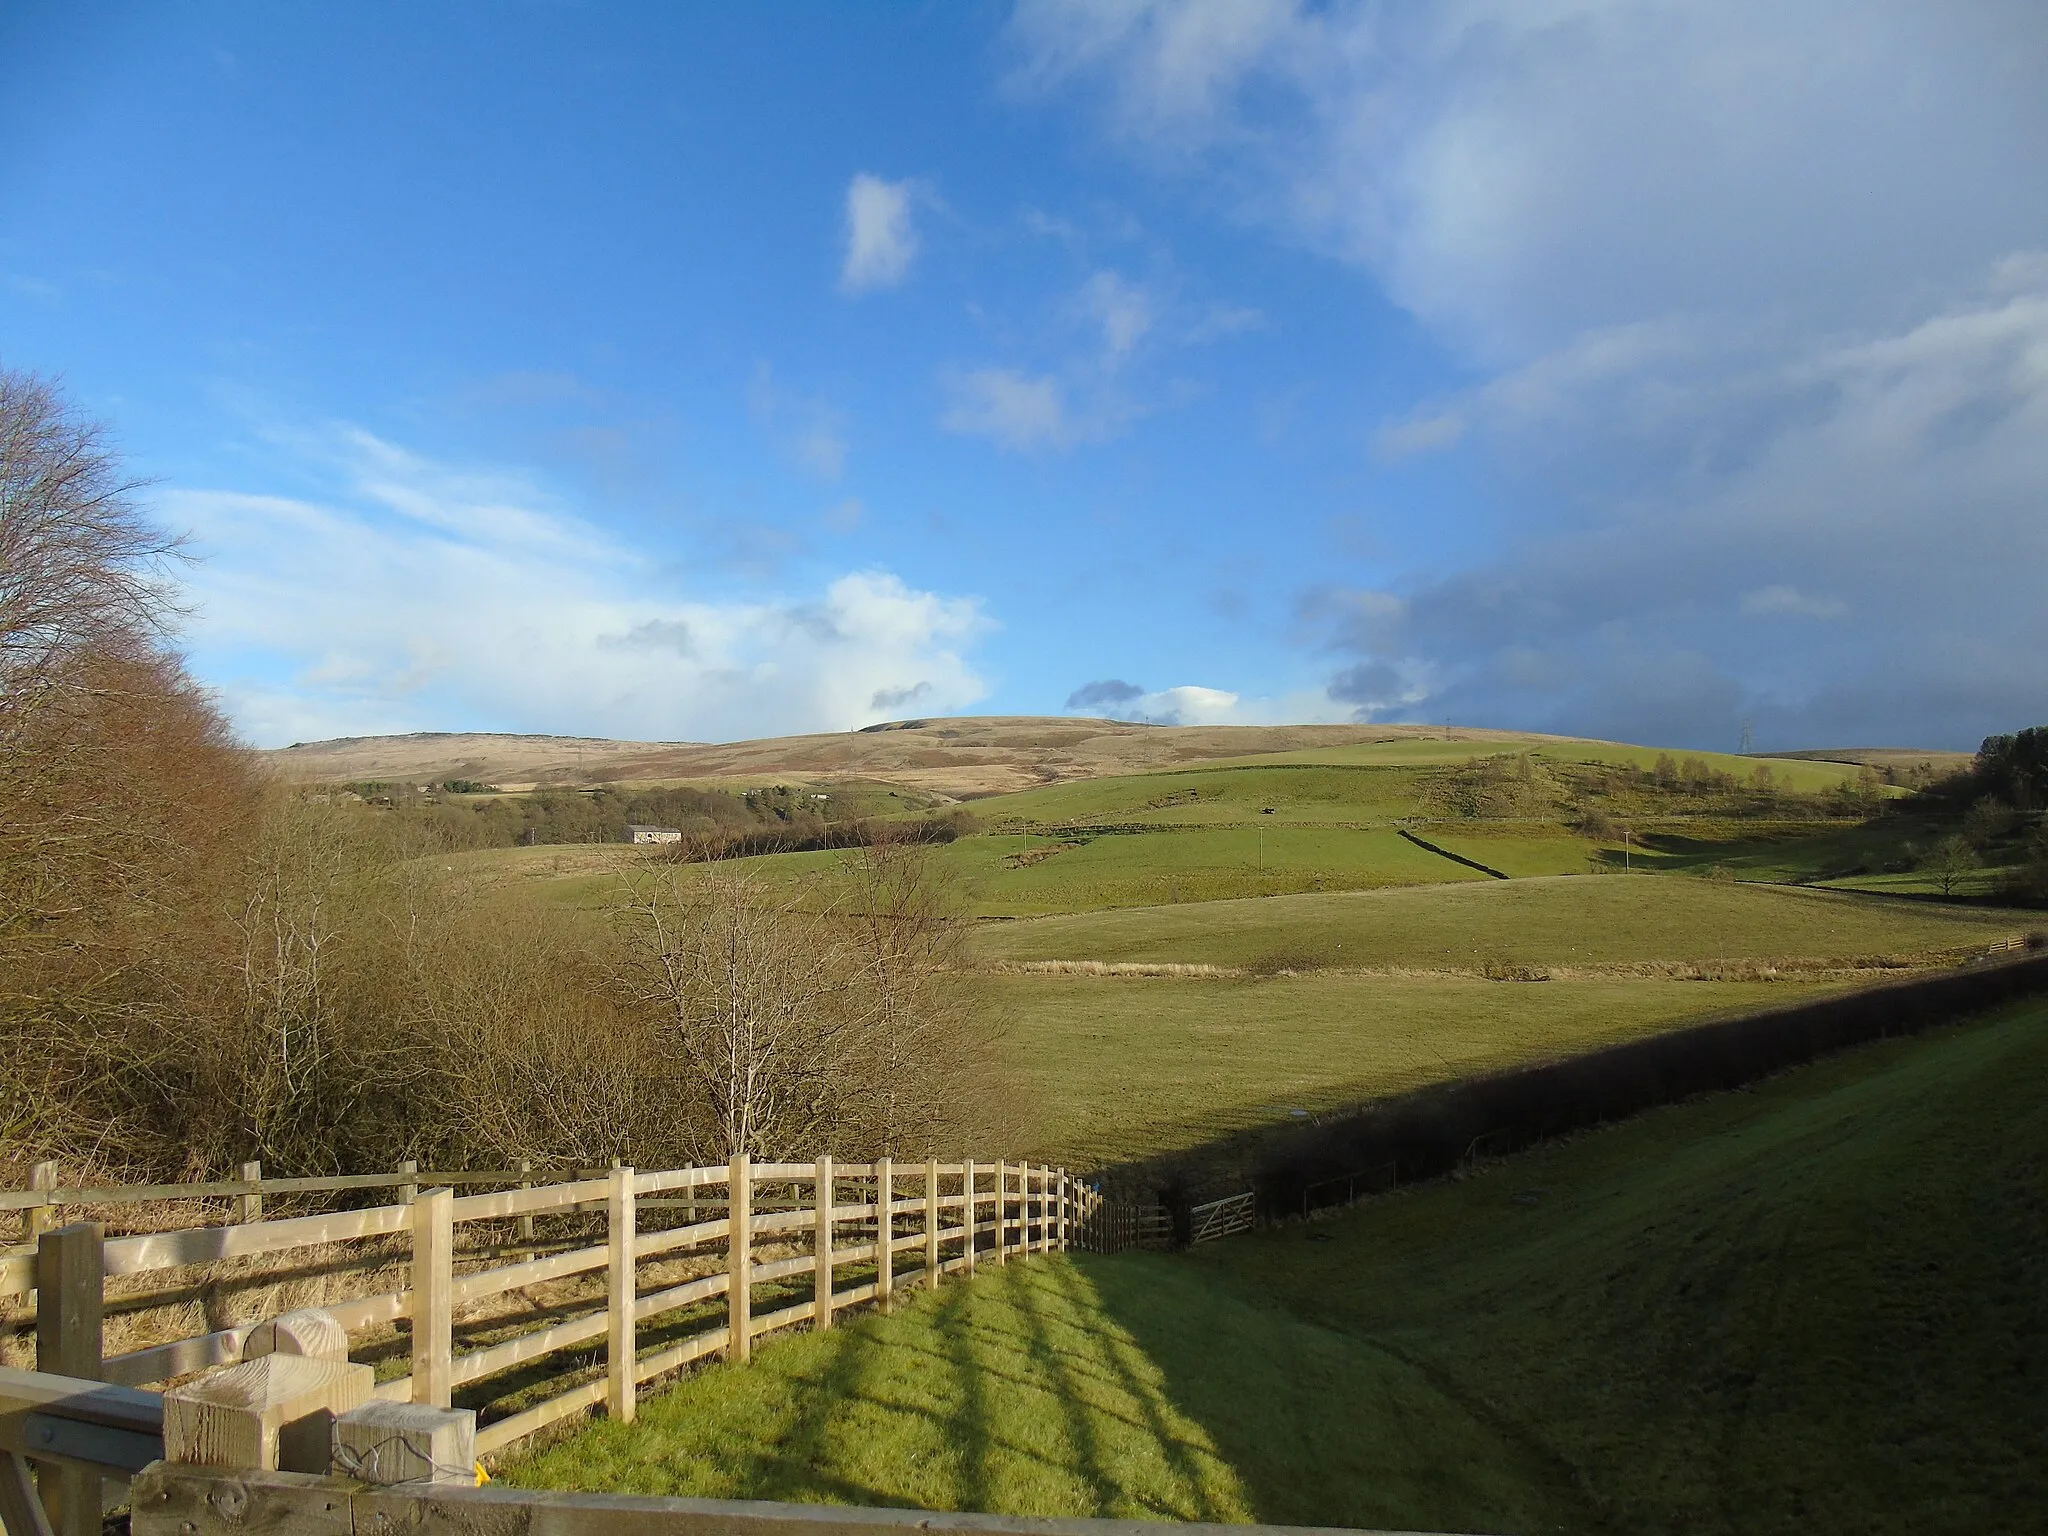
<point>811,432</point>
<point>1124,310</point>
<point>1428,432</point>
<point>1015,410</point>
<point>880,240</point>
<point>1517,173</point>
<point>1192,704</point>
<point>415,597</point>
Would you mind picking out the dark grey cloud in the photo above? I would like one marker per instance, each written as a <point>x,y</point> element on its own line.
<point>1367,683</point>
<point>655,635</point>
<point>1110,691</point>
<point>896,698</point>
<point>1757,292</point>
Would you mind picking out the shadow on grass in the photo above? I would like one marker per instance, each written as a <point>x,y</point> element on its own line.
<point>1320,1428</point>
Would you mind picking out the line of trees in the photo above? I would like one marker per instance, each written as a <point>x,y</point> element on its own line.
<point>778,819</point>
<point>199,964</point>
<point>1512,785</point>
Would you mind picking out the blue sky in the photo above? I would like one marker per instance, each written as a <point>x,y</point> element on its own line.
<point>704,372</point>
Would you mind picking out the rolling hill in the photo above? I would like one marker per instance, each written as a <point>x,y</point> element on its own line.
<point>961,758</point>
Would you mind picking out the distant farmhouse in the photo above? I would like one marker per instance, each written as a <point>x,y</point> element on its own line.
<point>636,833</point>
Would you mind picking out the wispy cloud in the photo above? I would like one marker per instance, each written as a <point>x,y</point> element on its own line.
<point>1193,704</point>
<point>1124,310</point>
<point>1014,410</point>
<point>881,241</point>
<point>811,432</point>
<point>413,595</point>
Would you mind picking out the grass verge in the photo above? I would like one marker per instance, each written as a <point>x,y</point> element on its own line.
<point>1812,1307</point>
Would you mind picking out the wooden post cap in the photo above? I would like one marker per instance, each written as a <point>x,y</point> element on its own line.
<point>309,1331</point>
<point>272,1414</point>
<point>398,1444</point>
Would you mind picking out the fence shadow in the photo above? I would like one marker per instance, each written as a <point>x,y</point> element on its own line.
<point>1315,1426</point>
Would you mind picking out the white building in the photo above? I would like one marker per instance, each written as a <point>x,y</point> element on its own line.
<point>636,833</point>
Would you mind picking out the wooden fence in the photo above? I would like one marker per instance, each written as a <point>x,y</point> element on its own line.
<point>1113,1226</point>
<point>882,1226</point>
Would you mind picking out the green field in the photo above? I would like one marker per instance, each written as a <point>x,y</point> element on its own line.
<point>1129,1068</point>
<point>1812,1307</point>
<point>1610,920</point>
<point>1329,1000</point>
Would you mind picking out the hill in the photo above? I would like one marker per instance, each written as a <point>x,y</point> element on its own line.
<point>1812,1307</point>
<point>961,758</point>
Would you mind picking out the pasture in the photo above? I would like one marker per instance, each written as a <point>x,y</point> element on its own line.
<point>1306,1002</point>
<point>1562,922</point>
<point>1806,1308</point>
<point>1126,1068</point>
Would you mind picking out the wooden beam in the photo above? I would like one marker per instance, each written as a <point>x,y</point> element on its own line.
<point>1002,1208</point>
<point>41,1217</point>
<point>931,1222</point>
<point>620,1294</point>
<point>967,1204</point>
<point>70,1308</point>
<point>821,1246</point>
<point>739,1248</point>
<point>274,1413</point>
<point>433,1301</point>
<point>249,1207</point>
<point>885,1228</point>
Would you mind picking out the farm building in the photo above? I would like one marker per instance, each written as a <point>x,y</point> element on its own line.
<point>636,833</point>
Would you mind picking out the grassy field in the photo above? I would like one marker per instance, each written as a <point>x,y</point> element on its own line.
<point>1129,1068</point>
<point>1609,920</point>
<point>1813,1307</point>
<point>1017,876</point>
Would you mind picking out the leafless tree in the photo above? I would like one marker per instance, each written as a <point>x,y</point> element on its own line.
<point>834,1017</point>
<point>81,565</point>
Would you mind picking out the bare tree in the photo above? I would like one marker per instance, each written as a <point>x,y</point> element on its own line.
<point>835,1017</point>
<point>1952,859</point>
<point>743,990</point>
<point>81,566</point>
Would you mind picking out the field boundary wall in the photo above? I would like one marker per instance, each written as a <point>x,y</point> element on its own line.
<point>1433,1131</point>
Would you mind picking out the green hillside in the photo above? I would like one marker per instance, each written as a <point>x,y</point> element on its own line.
<point>1814,1307</point>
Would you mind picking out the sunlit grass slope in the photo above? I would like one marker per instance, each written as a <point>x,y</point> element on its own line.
<point>1607,920</point>
<point>1814,1307</point>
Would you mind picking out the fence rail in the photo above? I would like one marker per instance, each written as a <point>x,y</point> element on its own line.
<point>786,1243</point>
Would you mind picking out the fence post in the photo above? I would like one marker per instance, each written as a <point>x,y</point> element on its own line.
<point>967,1213</point>
<point>526,1221</point>
<point>931,1222</point>
<point>70,1308</point>
<point>885,1233</point>
<point>407,1193</point>
<point>433,1301</point>
<point>249,1207</point>
<point>739,1247</point>
<point>1066,1191</point>
<point>1002,1205</point>
<point>621,1292</point>
<point>821,1250</point>
<point>41,1218</point>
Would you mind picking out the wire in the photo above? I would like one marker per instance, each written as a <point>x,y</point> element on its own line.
<point>367,1464</point>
